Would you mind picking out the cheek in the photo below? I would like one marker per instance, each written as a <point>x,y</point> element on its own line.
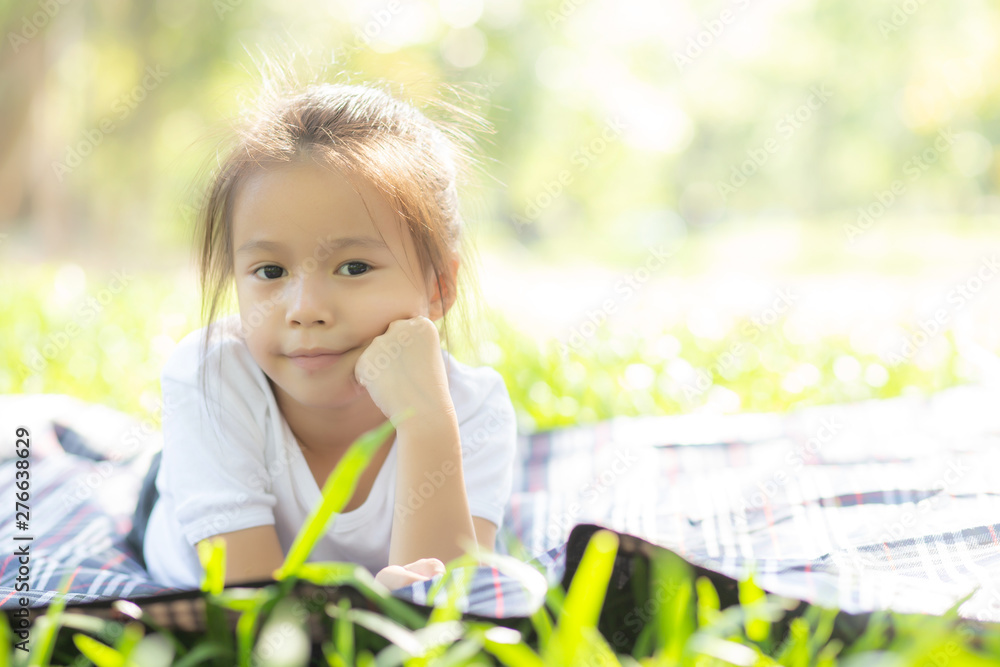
<point>255,341</point>
<point>245,301</point>
<point>259,303</point>
<point>258,328</point>
<point>374,313</point>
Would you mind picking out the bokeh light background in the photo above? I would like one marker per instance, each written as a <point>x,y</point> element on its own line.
<point>823,176</point>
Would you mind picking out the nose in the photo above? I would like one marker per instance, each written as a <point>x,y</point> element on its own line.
<point>308,302</point>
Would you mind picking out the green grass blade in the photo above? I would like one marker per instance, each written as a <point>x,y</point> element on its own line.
<point>201,653</point>
<point>708,602</point>
<point>40,653</point>
<point>100,654</point>
<point>460,653</point>
<point>795,650</point>
<point>823,629</point>
<point>457,586</point>
<point>284,639</point>
<point>395,608</point>
<point>509,648</point>
<point>244,599</point>
<point>153,650</point>
<point>455,581</point>
<point>103,630</point>
<point>676,615</point>
<point>555,598</point>
<point>952,612</point>
<point>728,652</point>
<point>246,626</point>
<point>329,573</point>
<point>543,626</point>
<point>344,632</point>
<point>134,611</point>
<point>645,643</point>
<point>533,581</point>
<point>402,637</point>
<point>333,659</point>
<point>212,554</point>
<point>596,650</point>
<point>530,577</point>
<point>542,619</point>
<point>758,629</point>
<point>434,641</point>
<point>5,641</point>
<point>584,598</point>
<point>359,578</point>
<point>827,656</point>
<point>874,637</point>
<point>128,639</point>
<point>514,655</point>
<point>339,488</point>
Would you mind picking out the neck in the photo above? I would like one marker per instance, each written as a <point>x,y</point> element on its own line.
<point>325,432</point>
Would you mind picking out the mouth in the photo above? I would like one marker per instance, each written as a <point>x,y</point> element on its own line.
<point>314,359</point>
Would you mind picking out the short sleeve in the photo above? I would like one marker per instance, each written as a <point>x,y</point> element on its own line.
<point>488,431</point>
<point>213,440</point>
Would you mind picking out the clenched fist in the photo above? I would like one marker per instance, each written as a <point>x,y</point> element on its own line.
<point>403,369</point>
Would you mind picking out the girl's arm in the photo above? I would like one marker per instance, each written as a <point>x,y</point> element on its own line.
<point>486,532</point>
<point>432,517</point>
<point>252,554</point>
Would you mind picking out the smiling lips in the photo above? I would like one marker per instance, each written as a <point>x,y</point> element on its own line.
<point>314,359</point>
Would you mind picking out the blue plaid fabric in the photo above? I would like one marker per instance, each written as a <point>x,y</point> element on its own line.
<point>876,505</point>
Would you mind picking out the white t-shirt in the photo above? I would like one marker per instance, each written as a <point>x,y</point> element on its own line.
<point>232,462</point>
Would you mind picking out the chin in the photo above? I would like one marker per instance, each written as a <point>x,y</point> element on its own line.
<point>332,398</point>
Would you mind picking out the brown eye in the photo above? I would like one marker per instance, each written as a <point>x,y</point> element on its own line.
<point>353,269</point>
<point>271,272</point>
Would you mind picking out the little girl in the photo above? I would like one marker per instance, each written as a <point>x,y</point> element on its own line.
<point>335,217</point>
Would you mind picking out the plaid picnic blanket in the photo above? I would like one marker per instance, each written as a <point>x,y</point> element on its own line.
<point>87,464</point>
<point>876,505</point>
<point>891,504</point>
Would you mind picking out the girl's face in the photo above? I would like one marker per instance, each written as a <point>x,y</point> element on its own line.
<point>315,268</point>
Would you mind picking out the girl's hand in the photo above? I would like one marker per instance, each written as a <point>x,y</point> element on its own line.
<point>403,369</point>
<point>396,576</point>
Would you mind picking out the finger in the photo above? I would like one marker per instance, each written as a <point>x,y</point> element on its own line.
<point>394,577</point>
<point>428,567</point>
<point>360,364</point>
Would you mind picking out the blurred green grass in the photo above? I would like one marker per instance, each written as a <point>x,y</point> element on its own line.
<point>67,332</point>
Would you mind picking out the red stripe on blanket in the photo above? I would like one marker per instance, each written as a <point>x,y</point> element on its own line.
<point>499,592</point>
<point>114,561</point>
<point>769,515</point>
<point>888,553</point>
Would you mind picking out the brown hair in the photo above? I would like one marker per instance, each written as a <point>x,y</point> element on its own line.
<point>360,131</point>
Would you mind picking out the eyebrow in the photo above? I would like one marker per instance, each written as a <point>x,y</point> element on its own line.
<point>344,242</point>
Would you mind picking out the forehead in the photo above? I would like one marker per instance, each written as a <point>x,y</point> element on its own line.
<point>304,202</point>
